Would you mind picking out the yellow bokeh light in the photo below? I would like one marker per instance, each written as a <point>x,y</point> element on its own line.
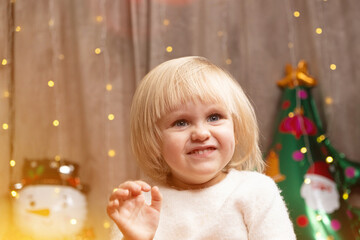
<point>307,180</point>
<point>303,150</point>
<point>111,116</point>
<point>291,114</point>
<point>328,100</point>
<point>320,138</point>
<point>296,14</point>
<point>6,94</point>
<point>106,225</point>
<point>99,18</point>
<point>111,153</point>
<point>51,83</point>
<point>12,163</point>
<point>5,126</point>
<point>51,22</point>
<point>56,123</point>
<point>329,159</point>
<point>97,50</point>
<point>108,87</point>
<point>332,66</point>
<point>4,62</point>
<point>345,196</point>
<point>115,189</point>
<point>14,193</point>
<point>318,30</point>
<point>73,221</point>
<point>166,22</point>
<point>169,49</point>
<point>57,158</point>
<point>18,29</point>
<point>318,217</point>
<point>228,61</point>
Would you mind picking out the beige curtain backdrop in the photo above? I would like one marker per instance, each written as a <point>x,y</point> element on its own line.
<point>87,47</point>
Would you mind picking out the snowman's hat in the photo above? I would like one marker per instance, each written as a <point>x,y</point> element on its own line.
<point>50,172</point>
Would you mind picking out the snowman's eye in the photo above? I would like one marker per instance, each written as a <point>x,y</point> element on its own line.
<point>32,203</point>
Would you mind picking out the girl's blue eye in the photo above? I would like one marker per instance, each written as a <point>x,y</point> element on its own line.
<point>214,117</point>
<point>180,123</point>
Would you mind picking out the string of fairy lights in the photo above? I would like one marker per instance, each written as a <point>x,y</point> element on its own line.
<point>293,16</point>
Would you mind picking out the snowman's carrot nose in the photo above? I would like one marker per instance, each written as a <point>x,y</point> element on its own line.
<point>42,212</point>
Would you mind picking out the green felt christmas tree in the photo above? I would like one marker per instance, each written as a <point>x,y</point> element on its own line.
<point>315,179</point>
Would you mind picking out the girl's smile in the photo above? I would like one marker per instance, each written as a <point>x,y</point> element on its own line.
<point>197,143</point>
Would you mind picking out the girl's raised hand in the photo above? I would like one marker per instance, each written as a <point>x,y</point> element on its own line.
<point>127,208</point>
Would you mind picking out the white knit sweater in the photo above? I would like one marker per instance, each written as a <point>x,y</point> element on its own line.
<point>244,205</point>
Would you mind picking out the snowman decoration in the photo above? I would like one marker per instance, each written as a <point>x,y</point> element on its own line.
<point>50,201</point>
<point>319,189</point>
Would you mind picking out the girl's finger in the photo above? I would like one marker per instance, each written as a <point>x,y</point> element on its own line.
<point>119,193</point>
<point>156,198</point>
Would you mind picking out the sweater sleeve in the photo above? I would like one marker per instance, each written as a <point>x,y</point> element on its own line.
<point>265,212</point>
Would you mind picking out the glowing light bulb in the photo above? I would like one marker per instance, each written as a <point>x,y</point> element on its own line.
<point>5,126</point>
<point>320,138</point>
<point>56,123</point>
<point>291,114</point>
<point>166,22</point>
<point>307,180</point>
<point>318,30</point>
<point>97,50</point>
<point>108,87</point>
<point>111,153</point>
<point>18,29</point>
<point>332,66</point>
<point>14,193</point>
<point>296,14</point>
<point>12,163</point>
<point>328,100</point>
<point>73,221</point>
<point>111,116</point>
<point>303,150</point>
<point>345,196</point>
<point>51,83</point>
<point>318,217</point>
<point>106,225</point>
<point>329,159</point>
<point>169,49</point>
<point>4,62</point>
<point>57,158</point>
<point>99,19</point>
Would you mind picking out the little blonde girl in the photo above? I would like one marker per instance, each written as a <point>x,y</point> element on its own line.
<point>194,132</point>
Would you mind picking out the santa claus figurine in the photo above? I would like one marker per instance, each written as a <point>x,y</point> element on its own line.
<point>319,189</point>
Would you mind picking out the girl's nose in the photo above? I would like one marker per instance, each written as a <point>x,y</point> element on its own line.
<point>200,133</point>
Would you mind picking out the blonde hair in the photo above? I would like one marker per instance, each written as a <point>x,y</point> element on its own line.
<point>182,80</point>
